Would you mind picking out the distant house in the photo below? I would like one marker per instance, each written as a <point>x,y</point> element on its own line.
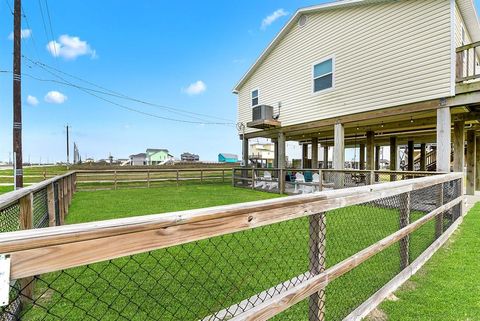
<point>188,157</point>
<point>157,156</point>
<point>227,158</point>
<point>262,154</point>
<point>138,159</point>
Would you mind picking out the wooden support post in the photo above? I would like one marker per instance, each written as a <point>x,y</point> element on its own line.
<point>51,205</point>
<point>320,182</point>
<point>458,146</point>
<point>443,139</point>
<point>362,157</point>
<point>325,157</point>
<point>370,150</point>
<point>393,157</point>
<point>471,158</point>
<point>245,152</point>
<point>65,196</point>
<point>410,150</point>
<point>281,181</point>
<point>304,156</point>
<point>377,157</point>
<point>69,189</point>
<point>404,221</point>
<point>281,151</point>
<point>314,152</point>
<point>115,180</point>
<point>61,207</point>
<point>423,157</point>
<point>339,147</point>
<point>253,178</point>
<point>372,178</point>
<point>26,222</point>
<point>317,263</point>
<point>439,217</point>
<point>477,162</point>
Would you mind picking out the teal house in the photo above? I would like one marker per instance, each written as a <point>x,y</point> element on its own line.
<point>157,156</point>
<point>227,158</point>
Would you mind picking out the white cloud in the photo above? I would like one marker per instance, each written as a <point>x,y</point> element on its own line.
<point>55,97</point>
<point>24,34</point>
<point>70,48</point>
<point>196,88</point>
<point>32,100</point>
<point>271,18</point>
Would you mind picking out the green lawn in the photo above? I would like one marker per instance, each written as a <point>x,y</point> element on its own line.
<point>448,286</point>
<point>194,280</point>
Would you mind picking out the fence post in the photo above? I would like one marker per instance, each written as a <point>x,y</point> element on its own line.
<point>61,207</point>
<point>372,177</point>
<point>44,175</point>
<point>439,217</point>
<point>74,183</point>
<point>405,200</point>
<point>148,178</point>
<point>51,205</point>
<point>69,189</point>
<point>317,263</point>
<point>178,178</point>
<point>253,178</point>
<point>233,177</point>
<point>320,183</point>
<point>26,222</point>
<point>201,176</point>
<point>281,182</point>
<point>223,176</point>
<point>115,180</point>
<point>65,196</point>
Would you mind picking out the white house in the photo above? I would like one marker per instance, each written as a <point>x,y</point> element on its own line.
<point>373,72</point>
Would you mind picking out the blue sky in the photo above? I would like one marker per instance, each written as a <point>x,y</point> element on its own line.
<point>184,54</point>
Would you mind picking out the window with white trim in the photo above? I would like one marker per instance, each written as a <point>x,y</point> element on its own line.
<point>323,75</point>
<point>254,97</point>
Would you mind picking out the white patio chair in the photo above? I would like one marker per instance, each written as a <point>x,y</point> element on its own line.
<point>316,182</point>
<point>270,181</point>
<point>299,179</point>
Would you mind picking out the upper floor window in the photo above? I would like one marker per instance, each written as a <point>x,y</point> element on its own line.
<point>254,97</point>
<point>323,75</point>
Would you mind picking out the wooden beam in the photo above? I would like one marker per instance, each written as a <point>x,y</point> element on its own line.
<point>443,139</point>
<point>471,158</point>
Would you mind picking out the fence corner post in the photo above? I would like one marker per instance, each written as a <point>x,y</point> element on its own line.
<point>317,263</point>
<point>26,222</point>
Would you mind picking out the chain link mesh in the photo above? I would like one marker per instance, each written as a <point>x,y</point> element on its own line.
<point>40,209</point>
<point>221,277</point>
<point>10,218</point>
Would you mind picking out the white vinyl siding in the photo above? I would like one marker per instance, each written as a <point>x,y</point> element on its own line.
<point>386,54</point>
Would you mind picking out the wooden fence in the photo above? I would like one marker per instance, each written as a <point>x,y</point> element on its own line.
<point>286,181</point>
<point>217,282</point>
<point>141,178</point>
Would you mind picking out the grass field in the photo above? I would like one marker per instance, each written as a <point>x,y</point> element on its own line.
<point>448,286</point>
<point>199,278</point>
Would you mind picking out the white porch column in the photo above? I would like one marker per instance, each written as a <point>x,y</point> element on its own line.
<point>339,147</point>
<point>444,139</point>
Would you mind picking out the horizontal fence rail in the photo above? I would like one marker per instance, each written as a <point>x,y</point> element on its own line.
<point>234,262</point>
<point>145,178</point>
<point>294,181</point>
<point>467,65</point>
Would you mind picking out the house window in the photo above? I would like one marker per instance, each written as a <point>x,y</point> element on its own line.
<point>254,97</point>
<point>323,75</point>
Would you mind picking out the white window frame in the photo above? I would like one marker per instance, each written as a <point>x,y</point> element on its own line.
<point>332,57</point>
<point>258,97</point>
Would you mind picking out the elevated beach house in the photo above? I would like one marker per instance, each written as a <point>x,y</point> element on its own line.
<point>372,72</point>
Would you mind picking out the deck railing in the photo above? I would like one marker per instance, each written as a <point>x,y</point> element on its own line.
<point>467,66</point>
<point>330,255</point>
<point>286,180</point>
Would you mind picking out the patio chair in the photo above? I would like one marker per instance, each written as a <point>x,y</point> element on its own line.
<point>299,179</point>
<point>316,182</point>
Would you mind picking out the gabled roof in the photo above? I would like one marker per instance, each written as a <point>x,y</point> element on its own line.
<point>466,7</point>
<point>156,150</point>
<point>139,155</point>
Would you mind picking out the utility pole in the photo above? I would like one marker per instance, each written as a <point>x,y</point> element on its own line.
<point>17,94</point>
<point>68,148</point>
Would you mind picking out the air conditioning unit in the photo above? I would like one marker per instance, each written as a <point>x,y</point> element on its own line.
<point>262,112</point>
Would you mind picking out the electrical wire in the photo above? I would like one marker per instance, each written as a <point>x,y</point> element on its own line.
<point>109,92</point>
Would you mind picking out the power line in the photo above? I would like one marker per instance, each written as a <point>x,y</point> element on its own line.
<point>87,91</point>
<point>51,29</point>
<point>122,96</point>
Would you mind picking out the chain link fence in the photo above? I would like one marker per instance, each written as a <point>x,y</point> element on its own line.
<point>226,276</point>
